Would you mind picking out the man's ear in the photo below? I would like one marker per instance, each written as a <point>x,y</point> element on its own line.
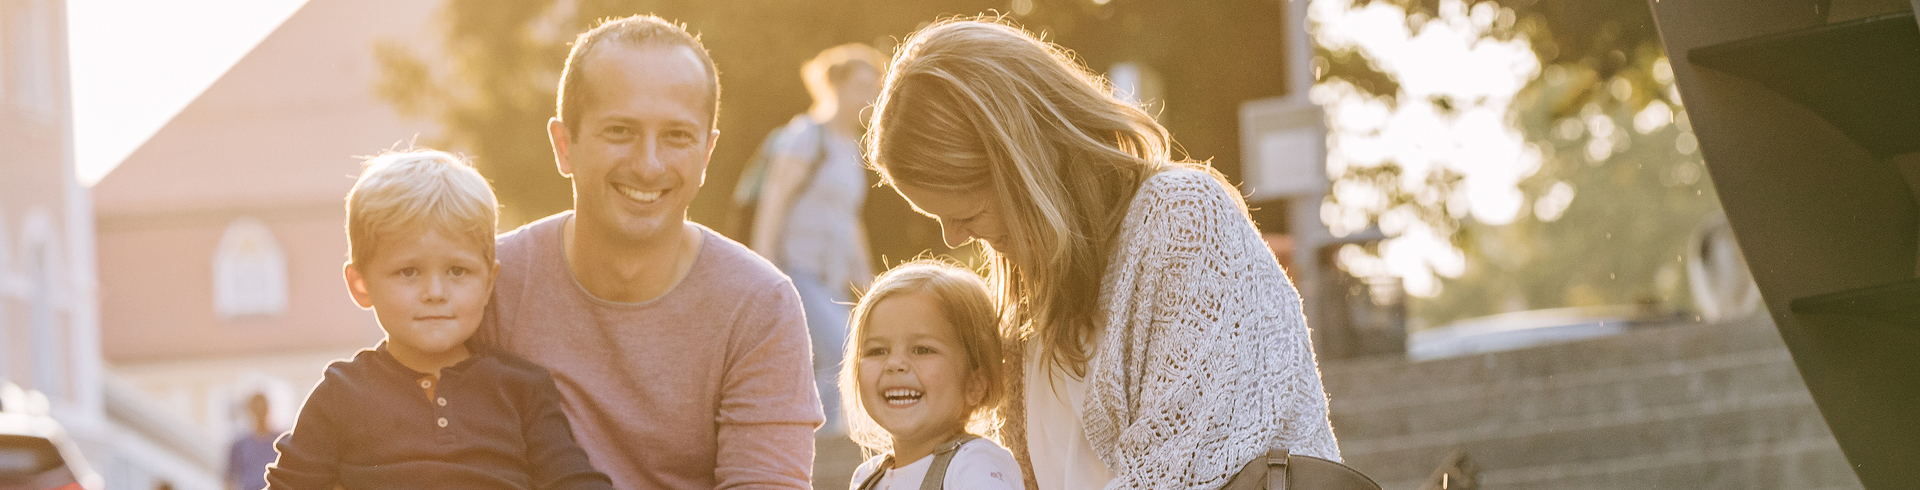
<point>557,136</point>
<point>712,139</point>
<point>357,286</point>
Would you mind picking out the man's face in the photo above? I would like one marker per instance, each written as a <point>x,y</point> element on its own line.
<point>644,139</point>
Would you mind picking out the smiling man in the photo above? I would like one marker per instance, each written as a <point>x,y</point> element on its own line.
<point>681,357</point>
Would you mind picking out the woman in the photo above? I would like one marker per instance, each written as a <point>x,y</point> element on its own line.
<point>1161,345</point>
<point>809,218</point>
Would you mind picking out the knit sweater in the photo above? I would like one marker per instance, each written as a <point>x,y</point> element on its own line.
<point>1203,360</point>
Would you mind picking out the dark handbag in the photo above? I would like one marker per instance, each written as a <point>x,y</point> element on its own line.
<point>1281,471</point>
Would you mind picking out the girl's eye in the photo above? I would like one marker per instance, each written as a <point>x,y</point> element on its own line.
<point>921,349</point>
<point>875,352</point>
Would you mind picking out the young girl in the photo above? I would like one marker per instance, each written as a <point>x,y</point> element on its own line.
<point>922,369</point>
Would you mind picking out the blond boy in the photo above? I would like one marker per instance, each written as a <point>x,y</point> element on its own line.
<point>423,409</point>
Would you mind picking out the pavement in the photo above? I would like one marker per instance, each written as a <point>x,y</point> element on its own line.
<point>834,459</point>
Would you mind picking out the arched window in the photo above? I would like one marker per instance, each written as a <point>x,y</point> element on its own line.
<point>249,271</point>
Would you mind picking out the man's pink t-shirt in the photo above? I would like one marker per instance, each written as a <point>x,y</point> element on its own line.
<point>708,386</point>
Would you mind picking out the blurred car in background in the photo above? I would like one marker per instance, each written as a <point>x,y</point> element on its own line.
<point>35,453</point>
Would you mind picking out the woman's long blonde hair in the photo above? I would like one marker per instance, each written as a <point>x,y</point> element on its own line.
<point>975,103</point>
<point>967,307</point>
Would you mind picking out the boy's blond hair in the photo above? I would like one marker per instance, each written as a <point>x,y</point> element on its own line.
<point>415,191</point>
<point>965,304</point>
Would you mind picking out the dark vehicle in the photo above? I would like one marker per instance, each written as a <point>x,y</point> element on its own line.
<point>35,454</point>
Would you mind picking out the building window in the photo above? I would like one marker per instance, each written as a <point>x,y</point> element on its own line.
<point>249,271</point>
<point>36,52</point>
<point>45,296</point>
<point>8,292</point>
<point>44,331</point>
<point>1138,84</point>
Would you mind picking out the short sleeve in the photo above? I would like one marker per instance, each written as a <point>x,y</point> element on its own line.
<point>983,465</point>
<point>768,408</point>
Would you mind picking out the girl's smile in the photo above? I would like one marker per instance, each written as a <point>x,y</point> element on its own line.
<point>915,380</point>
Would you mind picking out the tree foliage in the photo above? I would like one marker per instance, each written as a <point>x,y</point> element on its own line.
<point>1619,188</point>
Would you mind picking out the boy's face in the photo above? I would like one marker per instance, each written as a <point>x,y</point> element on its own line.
<point>429,290</point>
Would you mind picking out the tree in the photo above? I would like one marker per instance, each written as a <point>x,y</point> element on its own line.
<point>1602,183</point>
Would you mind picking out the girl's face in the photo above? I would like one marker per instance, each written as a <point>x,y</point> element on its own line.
<point>914,376</point>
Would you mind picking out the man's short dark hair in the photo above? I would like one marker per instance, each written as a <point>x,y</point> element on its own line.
<point>633,31</point>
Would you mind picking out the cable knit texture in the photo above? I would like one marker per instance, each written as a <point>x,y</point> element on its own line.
<point>1205,360</point>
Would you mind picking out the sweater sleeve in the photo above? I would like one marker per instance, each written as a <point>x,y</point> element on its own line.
<point>554,460</point>
<point>1206,361</point>
<point>768,408</point>
<point>310,453</point>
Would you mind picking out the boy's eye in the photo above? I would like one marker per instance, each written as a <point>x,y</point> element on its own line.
<point>409,272</point>
<point>457,271</point>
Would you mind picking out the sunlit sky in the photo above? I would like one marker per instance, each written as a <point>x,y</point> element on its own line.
<point>136,63</point>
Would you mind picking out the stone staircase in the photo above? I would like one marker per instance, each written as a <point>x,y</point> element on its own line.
<point>1682,406</point>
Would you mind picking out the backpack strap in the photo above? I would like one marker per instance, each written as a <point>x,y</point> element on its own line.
<point>873,480</point>
<point>942,457</point>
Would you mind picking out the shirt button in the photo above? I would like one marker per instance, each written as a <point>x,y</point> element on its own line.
<point>426,383</point>
<point>442,401</point>
<point>443,422</point>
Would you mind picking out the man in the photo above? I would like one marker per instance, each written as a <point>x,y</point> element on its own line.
<point>681,356</point>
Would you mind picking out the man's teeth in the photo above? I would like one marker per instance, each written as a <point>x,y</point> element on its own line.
<point>639,195</point>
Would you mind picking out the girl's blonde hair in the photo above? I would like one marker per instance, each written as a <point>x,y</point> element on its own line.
<point>977,104</point>
<point>964,303</point>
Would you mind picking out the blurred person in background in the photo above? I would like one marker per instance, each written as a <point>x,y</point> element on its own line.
<point>808,216</point>
<point>251,452</point>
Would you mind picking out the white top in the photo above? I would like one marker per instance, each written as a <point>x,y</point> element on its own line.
<point>977,465</point>
<point>820,233</point>
<point>1203,361</point>
<point>1056,441</point>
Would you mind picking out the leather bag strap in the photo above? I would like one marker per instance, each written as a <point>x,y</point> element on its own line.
<point>1277,469</point>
